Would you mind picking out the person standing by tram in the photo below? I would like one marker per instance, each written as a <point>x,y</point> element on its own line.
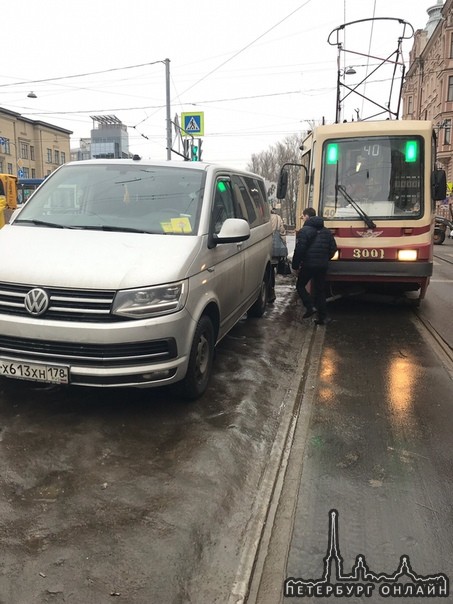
<point>277,226</point>
<point>315,246</point>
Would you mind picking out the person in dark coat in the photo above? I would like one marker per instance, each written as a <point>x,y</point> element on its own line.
<point>315,246</point>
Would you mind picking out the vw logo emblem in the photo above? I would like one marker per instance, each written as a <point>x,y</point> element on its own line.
<point>36,301</point>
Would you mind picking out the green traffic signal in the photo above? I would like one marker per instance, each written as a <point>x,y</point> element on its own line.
<point>194,153</point>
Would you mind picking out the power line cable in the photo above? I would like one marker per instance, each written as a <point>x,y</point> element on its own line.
<point>246,47</point>
<point>369,53</point>
<point>158,107</point>
<point>239,52</point>
<point>79,75</point>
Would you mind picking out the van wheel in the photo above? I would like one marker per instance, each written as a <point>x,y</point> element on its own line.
<point>259,307</point>
<point>200,361</point>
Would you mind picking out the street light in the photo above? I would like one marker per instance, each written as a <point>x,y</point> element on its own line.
<point>32,95</point>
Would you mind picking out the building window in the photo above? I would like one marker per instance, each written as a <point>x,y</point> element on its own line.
<point>451,46</point>
<point>24,150</point>
<point>450,88</point>
<point>6,146</point>
<point>49,156</point>
<point>447,135</point>
<point>26,172</point>
<point>1,166</point>
<point>57,157</point>
<point>410,105</point>
<point>10,168</point>
<point>63,157</point>
<point>33,173</point>
<point>32,153</point>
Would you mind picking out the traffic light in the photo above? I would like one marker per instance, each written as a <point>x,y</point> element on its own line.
<point>200,142</point>
<point>186,144</point>
<point>194,152</point>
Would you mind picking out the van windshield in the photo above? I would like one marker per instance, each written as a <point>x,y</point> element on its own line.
<point>123,197</point>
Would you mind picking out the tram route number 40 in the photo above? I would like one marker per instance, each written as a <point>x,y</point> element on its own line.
<point>33,371</point>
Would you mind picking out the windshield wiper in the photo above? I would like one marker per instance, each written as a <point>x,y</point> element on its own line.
<point>42,223</point>
<point>106,227</point>
<point>367,220</point>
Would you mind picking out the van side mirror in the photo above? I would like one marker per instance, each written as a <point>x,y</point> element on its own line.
<point>234,230</point>
<point>439,185</point>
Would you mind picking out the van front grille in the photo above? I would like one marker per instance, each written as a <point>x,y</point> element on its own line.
<point>90,305</point>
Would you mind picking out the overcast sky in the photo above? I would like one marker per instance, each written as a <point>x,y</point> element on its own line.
<point>257,69</point>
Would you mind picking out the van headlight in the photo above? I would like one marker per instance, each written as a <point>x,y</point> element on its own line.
<point>145,302</point>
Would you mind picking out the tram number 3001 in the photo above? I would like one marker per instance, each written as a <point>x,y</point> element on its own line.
<point>366,253</point>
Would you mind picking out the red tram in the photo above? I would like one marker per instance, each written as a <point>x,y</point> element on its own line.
<point>375,184</point>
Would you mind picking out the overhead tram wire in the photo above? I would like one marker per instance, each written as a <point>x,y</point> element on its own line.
<point>369,53</point>
<point>153,63</point>
<point>79,75</point>
<point>240,51</point>
<point>157,107</point>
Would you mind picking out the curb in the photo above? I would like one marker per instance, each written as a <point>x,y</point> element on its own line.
<point>257,539</point>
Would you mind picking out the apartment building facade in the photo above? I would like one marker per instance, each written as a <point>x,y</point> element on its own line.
<point>31,148</point>
<point>428,87</point>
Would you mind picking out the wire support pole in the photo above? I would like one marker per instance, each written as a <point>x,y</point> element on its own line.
<point>168,118</point>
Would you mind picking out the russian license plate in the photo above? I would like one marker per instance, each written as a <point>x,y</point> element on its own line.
<point>37,372</point>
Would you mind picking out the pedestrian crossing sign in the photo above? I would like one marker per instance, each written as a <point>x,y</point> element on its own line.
<point>192,123</point>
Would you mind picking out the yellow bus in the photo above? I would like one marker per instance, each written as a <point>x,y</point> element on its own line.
<point>8,196</point>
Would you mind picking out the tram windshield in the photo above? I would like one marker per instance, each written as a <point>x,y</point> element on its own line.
<point>382,175</point>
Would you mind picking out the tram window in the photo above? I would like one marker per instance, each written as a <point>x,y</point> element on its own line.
<point>382,174</point>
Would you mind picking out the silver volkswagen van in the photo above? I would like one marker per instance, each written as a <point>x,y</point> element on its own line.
<point>127,273</point>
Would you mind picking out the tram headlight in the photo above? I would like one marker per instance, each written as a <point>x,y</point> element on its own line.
<point>407,255</point>
<point>336,255</point>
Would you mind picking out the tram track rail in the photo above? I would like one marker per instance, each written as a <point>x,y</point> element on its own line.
<point>442,259</point>
<point>435,341</point>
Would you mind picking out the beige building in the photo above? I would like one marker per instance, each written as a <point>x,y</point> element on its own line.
<point>428,87</point>
<point>31,148</point>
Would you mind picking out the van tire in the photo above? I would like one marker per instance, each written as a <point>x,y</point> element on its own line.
<point>200,361</point>
<point>259,307</point>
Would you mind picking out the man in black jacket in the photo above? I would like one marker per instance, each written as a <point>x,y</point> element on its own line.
<point>315,246</point>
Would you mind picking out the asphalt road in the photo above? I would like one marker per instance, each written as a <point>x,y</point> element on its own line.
<point>133,495</point>
<point>374,444</point>
<point>136,497</point>
<point>437,307</point>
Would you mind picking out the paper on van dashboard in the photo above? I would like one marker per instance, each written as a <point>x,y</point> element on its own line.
<point>177,225</point>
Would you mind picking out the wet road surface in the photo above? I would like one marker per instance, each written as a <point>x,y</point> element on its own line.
<point>133,496</point>
<point>136,497</point>
<point>437,308</point>
<point>378,449</point>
